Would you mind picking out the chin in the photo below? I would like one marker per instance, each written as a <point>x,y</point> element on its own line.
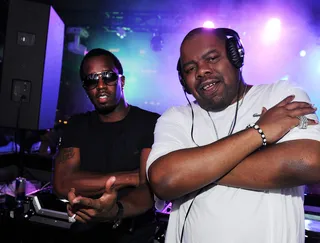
<point>104,109</point>
<point>215,106</point>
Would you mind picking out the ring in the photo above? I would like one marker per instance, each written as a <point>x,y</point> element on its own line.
<point>303,124</point>
<point>72,218</point>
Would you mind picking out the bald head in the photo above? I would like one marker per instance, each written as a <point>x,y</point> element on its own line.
<point>220,33</point>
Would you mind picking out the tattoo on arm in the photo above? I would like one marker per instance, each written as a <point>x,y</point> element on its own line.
<point>65,154</point>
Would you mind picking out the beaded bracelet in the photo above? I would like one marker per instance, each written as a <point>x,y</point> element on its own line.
<point>256,127</point>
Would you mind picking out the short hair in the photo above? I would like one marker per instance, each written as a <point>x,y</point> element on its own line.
<point>100,52</point>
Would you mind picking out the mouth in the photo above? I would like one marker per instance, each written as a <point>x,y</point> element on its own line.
<point>209,87</point>
<point>102,98</point>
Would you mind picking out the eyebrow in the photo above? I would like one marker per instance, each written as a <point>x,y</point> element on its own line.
<point>203,57</point>
<point>104,70</point>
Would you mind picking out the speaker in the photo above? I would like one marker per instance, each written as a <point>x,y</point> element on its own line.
<point>32,63</point>
<point>234,48</point>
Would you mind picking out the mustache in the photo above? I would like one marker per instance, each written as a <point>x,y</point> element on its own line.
<point>102,92</point>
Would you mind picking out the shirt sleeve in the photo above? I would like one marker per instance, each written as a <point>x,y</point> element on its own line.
<point>170,135</point>
<point>150,127</point>
<point>71,133</point>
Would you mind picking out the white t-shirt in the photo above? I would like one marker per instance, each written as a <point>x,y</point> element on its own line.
<point>225,214</point>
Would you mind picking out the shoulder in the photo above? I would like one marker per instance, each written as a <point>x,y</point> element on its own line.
<point>81,118</point>
<point>176,114</point>
<point>284,88</point>
<point>277,91</point>
<point>285,85</point>
<point>280,85</point>
<point>144,113</point>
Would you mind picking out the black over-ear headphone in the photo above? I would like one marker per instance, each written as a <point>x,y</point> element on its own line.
<point>234,49</point>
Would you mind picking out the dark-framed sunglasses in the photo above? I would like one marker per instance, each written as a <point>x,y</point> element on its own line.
<point>91,81</point>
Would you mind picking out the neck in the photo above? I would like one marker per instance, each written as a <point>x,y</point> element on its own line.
<point>243,89</point>
<point>118,114</point>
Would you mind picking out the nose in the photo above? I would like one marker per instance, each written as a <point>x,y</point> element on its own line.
<point>204,69</point>
<point>101,83</point>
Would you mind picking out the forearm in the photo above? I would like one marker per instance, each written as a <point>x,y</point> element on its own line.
<point>184,171</point>
<point>136,202</point>
<point>90,184</point>
<point>282,165</point>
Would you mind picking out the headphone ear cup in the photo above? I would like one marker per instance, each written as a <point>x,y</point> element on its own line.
<point>233,51</point>
<point>183,83</point>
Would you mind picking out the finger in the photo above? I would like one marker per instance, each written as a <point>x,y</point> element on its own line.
<point>264,110</point>
<point>312,122</point>
<point>301,112</point>
<point>285,101</point>
<point>80,219</point>
<point>81,215</point>
<point>71,194</point>
<point>298,104</point>
<point>69,210</point>
<point>87,202</point>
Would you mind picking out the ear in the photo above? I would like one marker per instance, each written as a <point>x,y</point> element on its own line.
<point>123,81</point>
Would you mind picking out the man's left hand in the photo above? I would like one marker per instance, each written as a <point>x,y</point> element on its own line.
<point>99,210</point>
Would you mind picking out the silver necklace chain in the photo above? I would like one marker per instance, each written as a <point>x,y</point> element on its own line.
<point>234,119</point>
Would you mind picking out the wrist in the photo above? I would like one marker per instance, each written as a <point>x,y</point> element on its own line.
<point>259,131</point>
<point>119,215</point>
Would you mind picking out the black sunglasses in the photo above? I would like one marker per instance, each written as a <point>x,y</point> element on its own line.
<point>91,81</point>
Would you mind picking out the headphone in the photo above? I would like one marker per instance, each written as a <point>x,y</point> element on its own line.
<point>234,49</point>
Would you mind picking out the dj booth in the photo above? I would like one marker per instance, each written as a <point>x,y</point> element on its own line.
<point>44,219</point>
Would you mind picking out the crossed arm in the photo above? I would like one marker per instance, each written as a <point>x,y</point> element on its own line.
<point>67,175</point>
<point>236,161</point>
<point>85,185</point>
<point>282,165</point>
<point>288,164</point>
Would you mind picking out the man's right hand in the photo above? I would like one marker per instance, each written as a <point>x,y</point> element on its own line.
<point>280,119</point>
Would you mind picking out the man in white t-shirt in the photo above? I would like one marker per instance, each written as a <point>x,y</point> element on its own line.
<point>233,162</point>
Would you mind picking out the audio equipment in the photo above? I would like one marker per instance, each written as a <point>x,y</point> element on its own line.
<point>48,209</point>
<point>32,63</point>
<point>234,48</point>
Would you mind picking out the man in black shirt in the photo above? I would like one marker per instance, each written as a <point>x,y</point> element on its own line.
<point>97,167</point>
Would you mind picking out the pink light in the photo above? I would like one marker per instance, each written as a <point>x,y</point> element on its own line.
<point>272,30</point>
<point>208,24</point>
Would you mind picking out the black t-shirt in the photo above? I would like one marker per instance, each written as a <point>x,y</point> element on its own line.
<point>110,147</point>
<point>107,147</point>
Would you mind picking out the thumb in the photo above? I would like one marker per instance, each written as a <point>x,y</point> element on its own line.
<point>110,188</point>
<point>264,110</point>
